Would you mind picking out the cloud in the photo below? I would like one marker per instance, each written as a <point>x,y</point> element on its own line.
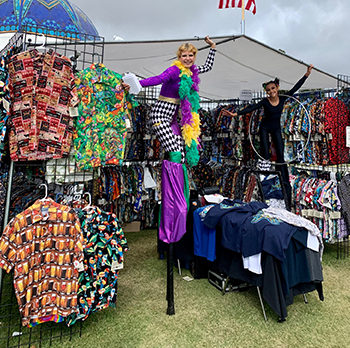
<point>314,31</point>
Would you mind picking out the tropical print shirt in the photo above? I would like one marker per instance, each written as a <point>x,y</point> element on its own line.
<point>42,244</point>
<point>42,90</point>
<point>103,257</point>
<point>100,128</point>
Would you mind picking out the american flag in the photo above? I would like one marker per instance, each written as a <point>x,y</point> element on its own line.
<point>250,4</point>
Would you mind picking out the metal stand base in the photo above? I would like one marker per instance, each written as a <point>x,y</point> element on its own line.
<point>261,302</point>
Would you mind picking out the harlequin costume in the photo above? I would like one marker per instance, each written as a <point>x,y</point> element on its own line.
<point>176,122</point>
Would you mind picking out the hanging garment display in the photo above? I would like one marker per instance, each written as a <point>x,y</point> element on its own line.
<point>103,257</point>
<point>42,244</point>
<point>317,200</point>
<point>100,128</point>
<point>337,118</point>
<point>42,90</point>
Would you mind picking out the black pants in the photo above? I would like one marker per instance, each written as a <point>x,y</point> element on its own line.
<point>279,146</point>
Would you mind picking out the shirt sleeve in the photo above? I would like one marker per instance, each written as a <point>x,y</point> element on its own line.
<point>166,75</point>
<point>208,63</point>
<point>251,108</point>
<point>79,244</point>
<point>297,86</point>
<point>8,247</point>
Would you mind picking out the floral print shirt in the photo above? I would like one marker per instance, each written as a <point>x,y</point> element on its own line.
<point>100,128</point>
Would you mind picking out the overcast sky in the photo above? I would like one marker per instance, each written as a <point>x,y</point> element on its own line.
<point>314,31</point>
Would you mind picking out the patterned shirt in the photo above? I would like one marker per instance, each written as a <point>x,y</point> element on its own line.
<point>100,128</point>
<point>42,244</point>
<point>42,90</point>
<point>103,256</point>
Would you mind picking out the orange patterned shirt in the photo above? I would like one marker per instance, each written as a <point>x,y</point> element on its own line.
<point>42,244</point>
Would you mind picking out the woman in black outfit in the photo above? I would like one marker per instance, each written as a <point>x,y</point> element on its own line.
<point>273,106</point>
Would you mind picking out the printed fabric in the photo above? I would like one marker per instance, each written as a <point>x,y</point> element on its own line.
<point>42,244</point>
<point>42,90</point>
<point>337,118</point>
<point>100,128</point>
<point>103,257</point>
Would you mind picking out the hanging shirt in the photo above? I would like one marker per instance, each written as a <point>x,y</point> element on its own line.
<point>337,118</point>
<point>100,128</point>
<point>42,244</point>
<point>42,90</point>
<point>103,257</point>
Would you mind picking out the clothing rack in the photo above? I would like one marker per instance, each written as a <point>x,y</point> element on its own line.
<point>81,49</point>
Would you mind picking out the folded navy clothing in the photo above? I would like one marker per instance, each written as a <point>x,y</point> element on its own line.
<point>216,213</point>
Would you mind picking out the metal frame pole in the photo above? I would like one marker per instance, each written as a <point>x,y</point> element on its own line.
<point>7,209</point>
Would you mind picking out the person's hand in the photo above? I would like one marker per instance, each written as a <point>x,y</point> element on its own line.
<point>228,113</point>
<point>210,42</point>
<point>308,71</point>
<point>125,86</point>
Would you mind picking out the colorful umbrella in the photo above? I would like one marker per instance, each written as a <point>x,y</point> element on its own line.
<point>57,16</point>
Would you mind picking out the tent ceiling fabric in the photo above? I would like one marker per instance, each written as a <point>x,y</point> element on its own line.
<point>241,63</point>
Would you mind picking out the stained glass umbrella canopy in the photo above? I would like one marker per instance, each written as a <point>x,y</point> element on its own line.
<point>57,16</point>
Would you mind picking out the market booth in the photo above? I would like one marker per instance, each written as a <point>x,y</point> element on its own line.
<point>127,185</point>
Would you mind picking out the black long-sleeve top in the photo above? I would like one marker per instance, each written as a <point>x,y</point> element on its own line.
<point>272,114</point>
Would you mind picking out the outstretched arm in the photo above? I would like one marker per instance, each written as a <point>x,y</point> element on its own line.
<point>301,81</point>
<point>247,110</point>
<point>210,58</point>
<point>166,75</point>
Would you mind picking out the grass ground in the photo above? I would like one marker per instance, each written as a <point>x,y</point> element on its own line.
<point>204,317</point>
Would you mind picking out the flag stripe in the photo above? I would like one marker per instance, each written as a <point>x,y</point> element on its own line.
<point>250,5</point>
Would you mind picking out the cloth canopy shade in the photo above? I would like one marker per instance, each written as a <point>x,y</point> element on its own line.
<point>58,16</point>
<point>241,63</point>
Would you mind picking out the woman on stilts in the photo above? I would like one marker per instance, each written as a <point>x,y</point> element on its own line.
<point>176,122</point>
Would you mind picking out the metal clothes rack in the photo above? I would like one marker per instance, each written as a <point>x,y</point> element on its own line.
<point>343,93</point>
<point>83,50</point>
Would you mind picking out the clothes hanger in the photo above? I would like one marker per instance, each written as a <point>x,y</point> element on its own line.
<point>42,46</point>
<point>46,192</point>
<point>89,204</point>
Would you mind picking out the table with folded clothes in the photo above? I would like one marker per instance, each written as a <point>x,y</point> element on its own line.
<point>271,248</point>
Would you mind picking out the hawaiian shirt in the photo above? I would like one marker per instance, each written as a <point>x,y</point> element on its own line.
<point>42,90</point>
<point>100,128</point>
<point>42,244</point>
<point>103,257</point>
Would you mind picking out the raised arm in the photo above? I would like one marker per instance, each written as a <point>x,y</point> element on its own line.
<point>210,58</point>
<point>301,81</point>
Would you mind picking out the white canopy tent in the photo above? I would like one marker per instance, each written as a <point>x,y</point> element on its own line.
<point>241,63</point>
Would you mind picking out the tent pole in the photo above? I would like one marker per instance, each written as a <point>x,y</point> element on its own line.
<point>243,19</point>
